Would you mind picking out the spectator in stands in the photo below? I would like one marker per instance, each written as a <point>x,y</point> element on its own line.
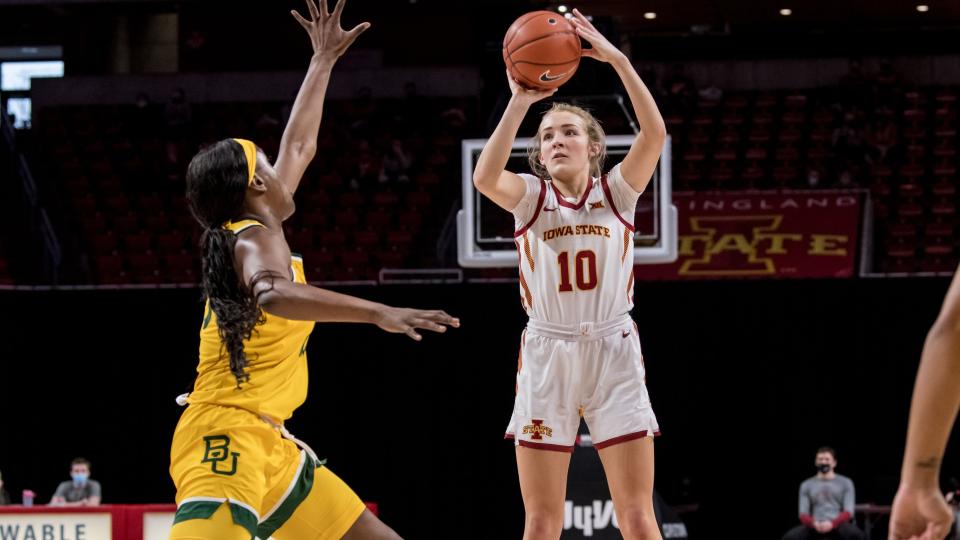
<point>396,164</point>
<point>4,495</point>
<point>366,170</point>
<point>882,137</point>
<point>81,490</point>
<point>826,503</point>
<point>849,139</point>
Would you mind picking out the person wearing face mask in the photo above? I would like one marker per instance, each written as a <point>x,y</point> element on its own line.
<point>80,490</point>
<point>826,503</point>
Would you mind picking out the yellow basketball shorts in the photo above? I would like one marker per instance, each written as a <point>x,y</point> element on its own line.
<point>270,486</point>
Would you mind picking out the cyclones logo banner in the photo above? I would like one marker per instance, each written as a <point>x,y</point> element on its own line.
<point>801,234</point>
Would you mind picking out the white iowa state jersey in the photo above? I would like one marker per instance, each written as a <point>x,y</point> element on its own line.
<point>576,257</point>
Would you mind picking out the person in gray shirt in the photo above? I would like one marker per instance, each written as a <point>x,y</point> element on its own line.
<point>80,491</point>
<point>826,504</point>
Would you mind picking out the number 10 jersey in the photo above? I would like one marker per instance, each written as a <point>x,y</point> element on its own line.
<point>576,257</point>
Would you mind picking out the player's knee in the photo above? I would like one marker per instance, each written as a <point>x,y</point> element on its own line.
<point>543,525</point>
<point>638,524</point>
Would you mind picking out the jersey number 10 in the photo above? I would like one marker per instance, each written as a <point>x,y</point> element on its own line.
<point>585,268</point>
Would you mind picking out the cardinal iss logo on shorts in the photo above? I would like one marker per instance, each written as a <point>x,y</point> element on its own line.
<point>537,430</point>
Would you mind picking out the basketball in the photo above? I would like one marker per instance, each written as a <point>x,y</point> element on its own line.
<point>541,50</point>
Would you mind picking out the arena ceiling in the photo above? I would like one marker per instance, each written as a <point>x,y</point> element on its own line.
<point>630,14</point>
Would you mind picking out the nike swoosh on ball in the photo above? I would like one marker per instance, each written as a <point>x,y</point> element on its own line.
<point>546,77</point>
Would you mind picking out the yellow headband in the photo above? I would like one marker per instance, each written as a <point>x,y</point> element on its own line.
<point>249,150</point>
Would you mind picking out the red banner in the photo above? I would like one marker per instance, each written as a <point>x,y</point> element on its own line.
<point>803,234</point>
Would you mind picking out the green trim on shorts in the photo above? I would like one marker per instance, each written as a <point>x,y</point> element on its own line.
<point>205,510</point>
<point>245,519</point>
<point>297,495</point>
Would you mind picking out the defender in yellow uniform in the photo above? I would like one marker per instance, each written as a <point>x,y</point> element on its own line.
<point>239,473</point>
<point>228,446</point>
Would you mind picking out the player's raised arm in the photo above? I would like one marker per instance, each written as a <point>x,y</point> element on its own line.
<point>919,507</point>
<point>299,142</point>
<point>499,185</point>
<point>265,263</point>
<point>638,165</point>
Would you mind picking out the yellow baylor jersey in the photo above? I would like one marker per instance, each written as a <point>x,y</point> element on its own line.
<point>276,359</point>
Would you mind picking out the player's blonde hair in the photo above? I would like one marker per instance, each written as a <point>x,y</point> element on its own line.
<point>595,135</point>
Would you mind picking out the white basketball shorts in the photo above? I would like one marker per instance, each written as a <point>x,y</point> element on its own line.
<point>594,370</point>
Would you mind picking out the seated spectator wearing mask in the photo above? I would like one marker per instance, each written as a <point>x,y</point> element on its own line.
<point>81,490</point>
<point>826,504</point>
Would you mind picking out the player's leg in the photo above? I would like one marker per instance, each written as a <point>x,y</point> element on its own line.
<point>369,527</point>
<point>217,461</point>
<point>629,469</point>
<point>331,511</point>
<point>543,485</point>
<point>544,425</point>
<point>622,424</point>
<point>219,526</point>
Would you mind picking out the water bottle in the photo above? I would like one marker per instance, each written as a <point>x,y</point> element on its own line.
<point>28,497</point>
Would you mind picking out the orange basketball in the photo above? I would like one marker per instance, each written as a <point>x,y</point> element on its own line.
<point>541,50</point>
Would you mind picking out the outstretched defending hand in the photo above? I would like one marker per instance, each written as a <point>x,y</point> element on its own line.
<point>326,36</point>
<point>406,321</point>
<point>919,514</point>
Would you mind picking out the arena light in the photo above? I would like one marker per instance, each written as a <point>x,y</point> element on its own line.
<point>562,8</point>
<point>786,12</point>
<point>649,15</point>
<point>568,15</point>
<point>923,8</point>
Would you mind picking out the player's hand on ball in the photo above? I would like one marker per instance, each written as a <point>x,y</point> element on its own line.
<point>407,321</point>
<point>919,514</point>
<point>326,35</point>
<point>600,47</point>
<point>525,95</point>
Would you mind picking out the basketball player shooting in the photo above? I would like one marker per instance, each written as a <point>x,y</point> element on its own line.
<point>580,353</point>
